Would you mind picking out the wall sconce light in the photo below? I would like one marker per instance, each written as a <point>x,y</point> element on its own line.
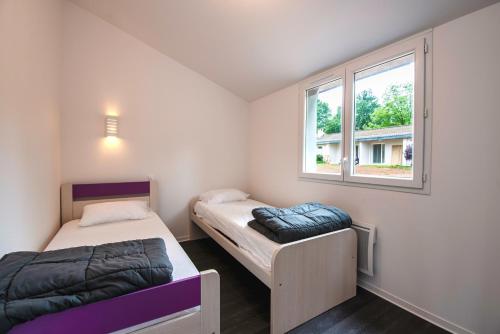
<point>111,126</point>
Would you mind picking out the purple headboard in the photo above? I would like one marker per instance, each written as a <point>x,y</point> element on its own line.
<point>75,196</point>
<point>99,190</point>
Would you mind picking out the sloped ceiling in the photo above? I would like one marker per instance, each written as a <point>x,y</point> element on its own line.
<point>255,47</point>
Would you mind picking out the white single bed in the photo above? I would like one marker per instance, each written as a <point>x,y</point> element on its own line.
<point>73,235</point>
<point>306,277</point>
<point>232,219</point>
<point>201,319</point>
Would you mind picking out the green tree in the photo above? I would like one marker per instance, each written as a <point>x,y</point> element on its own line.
<point>323,113</point>
<point>397,108</point>
<point>334,124</point>
<point>366,103</point>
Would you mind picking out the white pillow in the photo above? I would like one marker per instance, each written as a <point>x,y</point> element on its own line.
<point>108,212</point>
<point>223,195</point>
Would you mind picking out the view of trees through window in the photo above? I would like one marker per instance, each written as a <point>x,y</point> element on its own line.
<point>383,118</point>
<point>394,110</point>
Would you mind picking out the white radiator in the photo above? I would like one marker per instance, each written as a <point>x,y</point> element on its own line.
<point>366,241</point>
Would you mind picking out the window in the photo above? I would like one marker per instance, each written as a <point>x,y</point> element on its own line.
<point>378,153</point>
<point>323,127</point>
<point>363,121</point>
<point>383,111</point>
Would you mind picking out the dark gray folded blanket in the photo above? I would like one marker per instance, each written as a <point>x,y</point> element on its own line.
<point>298,222</point>
<point>33,284</point>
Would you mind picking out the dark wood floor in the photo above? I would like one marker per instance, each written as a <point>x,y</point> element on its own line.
<point>245,302</point>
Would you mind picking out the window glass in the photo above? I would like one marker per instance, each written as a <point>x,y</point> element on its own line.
<point>323,146</point>
<point>378,153</point>
<point>383,119</point>
<point>379,139</point>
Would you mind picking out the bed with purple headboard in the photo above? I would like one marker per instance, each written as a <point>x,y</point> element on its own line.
<point>188,304</point>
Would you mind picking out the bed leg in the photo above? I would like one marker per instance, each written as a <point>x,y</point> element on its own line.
<point>210,302</point>
<point>195,232</point>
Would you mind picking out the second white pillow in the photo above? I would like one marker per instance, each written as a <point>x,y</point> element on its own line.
<point>223,195</point>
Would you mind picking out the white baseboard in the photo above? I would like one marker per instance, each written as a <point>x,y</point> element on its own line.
<point>419,312</point>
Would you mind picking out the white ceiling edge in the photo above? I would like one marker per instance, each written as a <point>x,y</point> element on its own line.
<point>256,47</point>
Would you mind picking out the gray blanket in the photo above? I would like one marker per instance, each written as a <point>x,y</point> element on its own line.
<point>298,222</point>
<point>33,284</point>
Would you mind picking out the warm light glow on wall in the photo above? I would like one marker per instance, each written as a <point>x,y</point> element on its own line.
<point>111,142</point>
<point>111,126</point>
<point>111,109</point>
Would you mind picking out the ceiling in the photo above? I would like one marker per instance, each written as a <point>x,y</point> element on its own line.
<point>255,47</point>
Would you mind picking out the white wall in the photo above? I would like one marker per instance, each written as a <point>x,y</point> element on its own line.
<point>439,251</point>
<point>30,62</point>
<point>175,125</point>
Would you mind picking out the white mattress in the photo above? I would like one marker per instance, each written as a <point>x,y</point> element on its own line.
<point>72,235</point>
<point>232,219</point>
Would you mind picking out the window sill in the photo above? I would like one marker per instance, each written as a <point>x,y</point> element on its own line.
<point>320,178</point>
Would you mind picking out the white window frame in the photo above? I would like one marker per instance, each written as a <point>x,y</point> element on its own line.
<point>323,78</point>
<point>419,45</point>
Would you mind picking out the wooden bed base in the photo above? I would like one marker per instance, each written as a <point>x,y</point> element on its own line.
<point>307,277</point>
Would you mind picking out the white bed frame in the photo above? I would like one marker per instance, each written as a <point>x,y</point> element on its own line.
<point>307,277</point>
<point>205,320</point>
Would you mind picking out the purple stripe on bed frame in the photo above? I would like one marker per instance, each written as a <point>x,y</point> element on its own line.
<point>110,189</point>
<point>120,312</point>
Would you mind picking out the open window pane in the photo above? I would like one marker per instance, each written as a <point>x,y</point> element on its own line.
<point>384,119</point>
<point>323,131</point>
